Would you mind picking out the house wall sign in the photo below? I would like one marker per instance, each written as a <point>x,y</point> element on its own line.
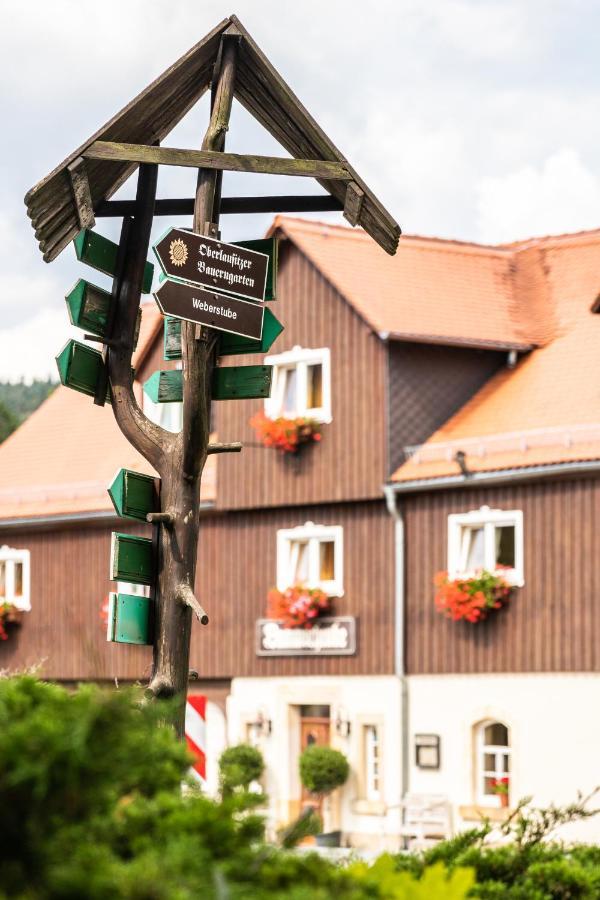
<point>330,636</point>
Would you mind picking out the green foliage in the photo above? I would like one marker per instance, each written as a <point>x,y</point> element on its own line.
<point>239,766</point>
<point>382,879</point>
<point>323,769</point>
<point>306,825</point>
<point>21,399</point>
<point>528,866</point>
<point>8,422</point>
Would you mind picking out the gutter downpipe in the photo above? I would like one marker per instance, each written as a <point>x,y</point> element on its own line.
<point>395,511</point>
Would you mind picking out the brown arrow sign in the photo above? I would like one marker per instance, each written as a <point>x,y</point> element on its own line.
<point>185,301</point>
<point>212,264</point>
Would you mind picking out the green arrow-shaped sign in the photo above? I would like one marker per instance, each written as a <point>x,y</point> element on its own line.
<point>134,495</point>
<point>131,559</point>
<point>229,344</point>
<point>229,383</point>
<point>79,367</point>
<point>89,306</point>
<point>101,254</point>
<point>129,619</point>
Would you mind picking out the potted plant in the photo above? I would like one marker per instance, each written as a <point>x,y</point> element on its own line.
<point>297,606</point>
<point>239,766</point>
<point>322,770</point>
<point>500,787</point>
<point>286,435</point>
<point>470,599</point>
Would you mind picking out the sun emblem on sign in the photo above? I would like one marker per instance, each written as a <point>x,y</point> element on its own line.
<point>178,252</point>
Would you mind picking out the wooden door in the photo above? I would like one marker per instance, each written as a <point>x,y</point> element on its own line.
<point>313,731</point>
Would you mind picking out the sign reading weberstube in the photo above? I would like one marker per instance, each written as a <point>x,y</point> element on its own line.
<point>212,264</point>
<point>186,301</point>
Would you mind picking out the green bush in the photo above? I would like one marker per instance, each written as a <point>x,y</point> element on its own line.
<point>91,807</point>
<point>239,766</point>
<point>323,769</point>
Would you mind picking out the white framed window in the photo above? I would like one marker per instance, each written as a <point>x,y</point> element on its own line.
<point>301,384</point>
<point>15,577</point>
<point>492,764</point>
<point>372,758</point>
<point>485,538</point>
<point>313,556</point>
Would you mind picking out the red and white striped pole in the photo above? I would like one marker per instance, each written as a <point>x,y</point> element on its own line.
<point>195,733</point>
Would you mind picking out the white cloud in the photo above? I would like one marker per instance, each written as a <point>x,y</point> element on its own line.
<point>557,196</point>
<point>29,348</point>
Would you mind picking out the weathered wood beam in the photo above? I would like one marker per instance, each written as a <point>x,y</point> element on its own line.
<point>233,447</point>
<point>214,159</point>
<point>353,203</point>
<point>81,193</point>
<point>229,205</point>
<point>186,596</point>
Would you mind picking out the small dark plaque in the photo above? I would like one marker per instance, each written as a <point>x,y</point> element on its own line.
<point>212,264</point>
<point>185,301</point>
<point>331,636</point>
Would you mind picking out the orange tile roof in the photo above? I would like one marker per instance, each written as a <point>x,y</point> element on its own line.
<point>432,290</point>
<point>547,409</point>
<point>64,455</point>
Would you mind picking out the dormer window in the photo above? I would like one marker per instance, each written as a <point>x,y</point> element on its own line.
<point>301,385</point>
<point>490,539</point>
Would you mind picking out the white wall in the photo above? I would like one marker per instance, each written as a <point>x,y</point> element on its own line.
<point>361,700</point>
<point>554,720</point>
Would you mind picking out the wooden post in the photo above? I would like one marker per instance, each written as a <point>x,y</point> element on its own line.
<point>181,468</point>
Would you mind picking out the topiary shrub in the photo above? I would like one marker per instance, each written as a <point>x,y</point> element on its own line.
<point>239,766</point>
<point>323,769</point>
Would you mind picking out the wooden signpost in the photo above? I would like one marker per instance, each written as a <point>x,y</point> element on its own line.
<point>215,290</point>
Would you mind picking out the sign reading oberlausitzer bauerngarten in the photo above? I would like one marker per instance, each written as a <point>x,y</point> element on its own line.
<point>187,301</point>
<point>212,264</point>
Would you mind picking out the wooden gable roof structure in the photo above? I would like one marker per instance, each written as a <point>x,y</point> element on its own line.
<point>70,196</point>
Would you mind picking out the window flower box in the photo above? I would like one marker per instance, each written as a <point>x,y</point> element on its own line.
<point>470,599</point>
<point>298,606</point>
<point>9,615</point>
<point>286,435</point>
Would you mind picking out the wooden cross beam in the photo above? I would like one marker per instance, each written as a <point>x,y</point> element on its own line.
<point>213,159</point>
<point>184,206</point>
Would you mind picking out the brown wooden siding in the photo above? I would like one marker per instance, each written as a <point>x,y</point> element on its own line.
<point>427,385</point>
<point>551,624</point>
<point>64,633</point>
<point>237,567</point>
<point>69,582</point>
<point>349,463</point>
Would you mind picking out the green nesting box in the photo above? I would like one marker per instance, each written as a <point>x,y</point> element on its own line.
<point>89,307</point>
<point>131,559</point>
<point>79,368</point>
<point>270,246</point>
<point>134,495</point>
<point>101,254</point>
<point>129,619</point>
<point>172,338</point>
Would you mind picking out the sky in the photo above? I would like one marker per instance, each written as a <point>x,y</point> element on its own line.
<point>470,119</point>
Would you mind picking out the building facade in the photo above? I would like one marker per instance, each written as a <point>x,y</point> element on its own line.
<point>456,389</point>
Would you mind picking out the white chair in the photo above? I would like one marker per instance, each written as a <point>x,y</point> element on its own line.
<point>426,820</point>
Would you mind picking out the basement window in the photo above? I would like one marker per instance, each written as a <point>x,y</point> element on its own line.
<point>490,539</point>
<point>312,556</point>
<point>301,385</point>
<point>14,577</point>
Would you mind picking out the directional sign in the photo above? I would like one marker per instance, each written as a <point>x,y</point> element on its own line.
<point>185,301</point>
<point>212,264</point>
<point>129,619</point>
<point>89,308</point>
<point>100,253</point>
<point>229,344</point>
<point>134,495</point>
<point>229,383</point>
<point>131,558</point>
